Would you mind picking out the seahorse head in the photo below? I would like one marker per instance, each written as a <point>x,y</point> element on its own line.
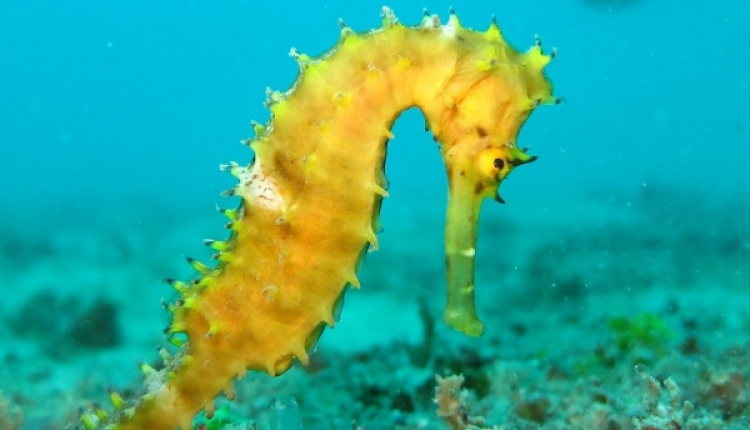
<point>478,136</point>
<point>487,168</point>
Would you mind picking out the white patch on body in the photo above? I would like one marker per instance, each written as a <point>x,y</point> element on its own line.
<point>449,29</point>
<point>256,187</point>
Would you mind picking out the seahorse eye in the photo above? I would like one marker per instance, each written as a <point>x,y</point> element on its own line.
<point>493,165</point>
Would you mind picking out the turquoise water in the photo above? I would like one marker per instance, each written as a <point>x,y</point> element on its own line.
<point>125,97</point>
<point>116,115</point>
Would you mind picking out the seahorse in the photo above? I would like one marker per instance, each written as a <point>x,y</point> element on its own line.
<point>311,198</point>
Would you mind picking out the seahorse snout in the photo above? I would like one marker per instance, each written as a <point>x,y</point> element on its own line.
<point>472,177</point>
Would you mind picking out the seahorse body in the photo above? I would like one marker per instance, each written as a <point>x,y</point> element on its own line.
<point>311,198</point>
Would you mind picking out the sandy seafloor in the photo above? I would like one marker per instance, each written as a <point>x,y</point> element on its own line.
<point>582,311</point>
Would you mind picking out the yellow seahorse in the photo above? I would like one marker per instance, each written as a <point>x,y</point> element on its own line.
<point>311,199</point>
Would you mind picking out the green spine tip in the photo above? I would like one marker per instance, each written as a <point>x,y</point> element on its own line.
<point>176,341</point>
<point>233,168</point>
<point>232,214</point>
<point>146,369</point>
<point>389,18</point>
<point>189,303</point>
<point>88,420</point>
<point>167,306</point>
<point>212,330</point>
<point>346,31</point>
<point>219,245</point>
<point>116,399</point>
<point>203,283</point>
<point>175,328</point>
<point>494,32</point>
<point>164,354</point>
<point>100,413</point>
<point>179,286</point>
<point>224,257</point>
<point>259,130</point>
<point>198,266</point>
<point>273,97</point>
<point>302,59</point>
